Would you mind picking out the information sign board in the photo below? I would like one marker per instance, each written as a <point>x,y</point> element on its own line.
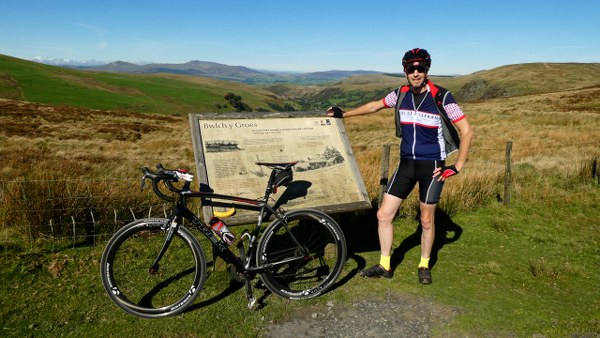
<point>326,177</point>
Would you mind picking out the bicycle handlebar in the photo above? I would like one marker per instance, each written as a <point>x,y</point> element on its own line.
<point>167,176</point>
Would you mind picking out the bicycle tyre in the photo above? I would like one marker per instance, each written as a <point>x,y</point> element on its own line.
<point>125,267</point>
<point>316,273</point>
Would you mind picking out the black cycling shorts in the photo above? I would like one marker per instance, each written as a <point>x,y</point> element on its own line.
<point>409,172</point>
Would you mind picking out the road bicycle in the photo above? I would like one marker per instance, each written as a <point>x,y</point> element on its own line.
<point>156,267</point>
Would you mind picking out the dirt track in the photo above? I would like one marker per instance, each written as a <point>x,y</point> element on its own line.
<point>394,315</point>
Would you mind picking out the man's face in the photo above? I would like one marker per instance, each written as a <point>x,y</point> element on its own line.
<point>416,75</point>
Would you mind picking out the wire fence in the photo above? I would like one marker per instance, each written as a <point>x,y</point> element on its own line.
<point>54,214</point>
<point>41,220</point>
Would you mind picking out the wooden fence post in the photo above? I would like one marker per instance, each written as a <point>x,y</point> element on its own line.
<point>52,234</point>
<point>508,174</point>
<point>74,231</point>
<point>595,170</point>
<point>383,181</point>
<point>93,227</point>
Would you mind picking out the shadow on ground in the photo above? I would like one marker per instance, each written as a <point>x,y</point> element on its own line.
<point>360,229</point>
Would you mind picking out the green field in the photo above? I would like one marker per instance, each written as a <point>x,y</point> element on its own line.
<point>518,270</point>
<point>163,93</point>
<point>524,269</point>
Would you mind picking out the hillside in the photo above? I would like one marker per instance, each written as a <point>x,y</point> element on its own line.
<point>505,81</point>
<point>159,93</point>
<point>168,93</point>
<point>524,79</point>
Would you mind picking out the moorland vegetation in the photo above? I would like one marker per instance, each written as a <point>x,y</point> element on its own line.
<point>72,143</point>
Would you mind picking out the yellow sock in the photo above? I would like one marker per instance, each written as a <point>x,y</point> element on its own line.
<point>385,262</point>
<point>424,262</point>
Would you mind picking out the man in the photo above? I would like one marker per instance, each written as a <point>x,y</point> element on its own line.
<point>426,141</point>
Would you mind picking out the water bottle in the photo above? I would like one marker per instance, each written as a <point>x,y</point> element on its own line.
<point>219,226</point>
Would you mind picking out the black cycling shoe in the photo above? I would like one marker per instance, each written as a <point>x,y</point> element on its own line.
<point>424,276</point>
<point>376,271</point>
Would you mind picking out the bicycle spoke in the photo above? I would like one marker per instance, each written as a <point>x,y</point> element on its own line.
<point>146,293</point>
<point>315,271</point>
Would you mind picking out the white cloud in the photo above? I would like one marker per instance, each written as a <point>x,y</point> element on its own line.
<point>68,62</point>
<point>98,30</point>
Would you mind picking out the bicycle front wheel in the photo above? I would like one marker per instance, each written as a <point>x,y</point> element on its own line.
<point>306,252</point>
<point>126,275</point>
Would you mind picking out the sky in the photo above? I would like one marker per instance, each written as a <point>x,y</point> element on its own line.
<point>304,36</point>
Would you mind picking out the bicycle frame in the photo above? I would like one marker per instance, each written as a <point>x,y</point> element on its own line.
<point>264,211</point>
<point>298,254</point>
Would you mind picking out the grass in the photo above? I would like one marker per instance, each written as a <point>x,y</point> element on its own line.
<point>524,269</point>
<point>536,268</point>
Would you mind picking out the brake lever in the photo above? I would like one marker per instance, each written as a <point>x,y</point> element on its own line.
<point>145,172</point>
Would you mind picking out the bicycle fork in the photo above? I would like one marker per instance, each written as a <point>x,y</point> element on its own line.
<point>172,228</point>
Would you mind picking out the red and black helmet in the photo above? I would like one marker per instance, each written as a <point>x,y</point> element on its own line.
<point>416,57</point>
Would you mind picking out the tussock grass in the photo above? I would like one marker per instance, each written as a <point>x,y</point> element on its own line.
<point>75,144</point>
<point>74,173</point>
<point>546,138</point>
<point>541,268</point>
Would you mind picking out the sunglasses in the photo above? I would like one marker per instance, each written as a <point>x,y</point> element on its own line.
<point>411,69</point>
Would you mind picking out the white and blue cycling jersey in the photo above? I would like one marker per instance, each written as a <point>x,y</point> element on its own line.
<point>422,137</point>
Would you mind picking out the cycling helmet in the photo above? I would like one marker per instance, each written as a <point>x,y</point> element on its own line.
<point>416,57</point>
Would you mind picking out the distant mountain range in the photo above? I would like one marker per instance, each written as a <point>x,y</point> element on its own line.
<point>230,73</point>
<point>122,90</point>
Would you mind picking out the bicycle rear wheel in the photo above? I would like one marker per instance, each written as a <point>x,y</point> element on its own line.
<point>125,269</point>
<point>314,248</point>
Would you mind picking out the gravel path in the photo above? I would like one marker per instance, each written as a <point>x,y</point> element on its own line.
<point>394,315</point>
